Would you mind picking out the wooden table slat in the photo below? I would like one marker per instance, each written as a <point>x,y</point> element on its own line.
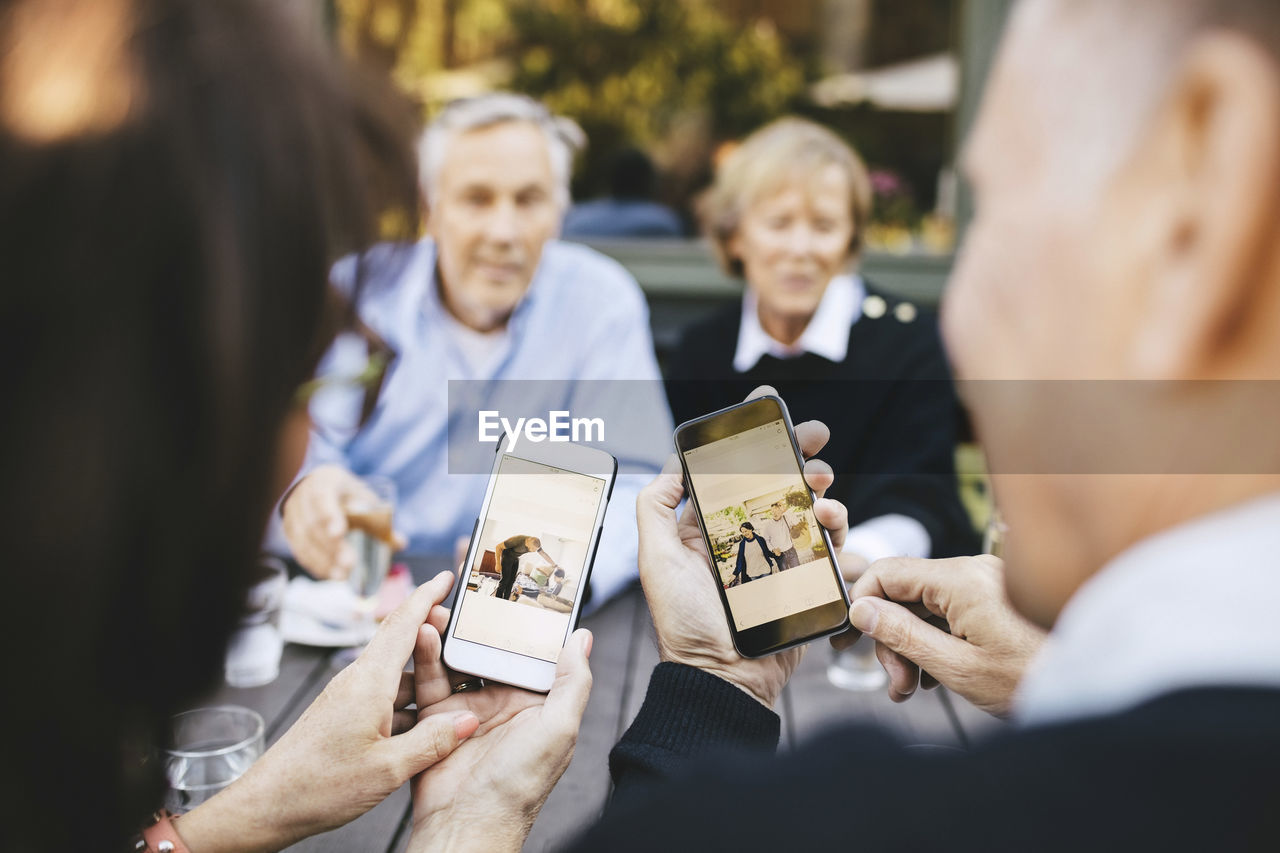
<point>581,793</point>
<point>300,670</point>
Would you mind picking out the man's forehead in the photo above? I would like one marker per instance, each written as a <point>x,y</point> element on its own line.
<point>470,155</point>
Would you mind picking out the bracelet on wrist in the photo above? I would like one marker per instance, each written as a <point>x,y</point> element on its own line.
<point>160,837</point>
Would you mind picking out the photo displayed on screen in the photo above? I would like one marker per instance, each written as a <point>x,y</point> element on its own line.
<point>527,570</point>
<point>766,544</point>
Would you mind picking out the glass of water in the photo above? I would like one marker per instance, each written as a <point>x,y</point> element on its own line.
<point>209,748</point>
<point>856,668</point>
<point>370,526</point>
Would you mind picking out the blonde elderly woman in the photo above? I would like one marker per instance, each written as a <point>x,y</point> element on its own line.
<point>787,213</point>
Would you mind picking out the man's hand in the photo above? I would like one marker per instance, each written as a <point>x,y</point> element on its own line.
<point>486,795</point>
<point>852,566</point>
<point>680,585</point>
<point>948,618</point>
<point>315,520</point>
<point>355,745</point>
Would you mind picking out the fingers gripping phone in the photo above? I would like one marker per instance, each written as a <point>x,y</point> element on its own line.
<point>773,563</point>
<point>528,562</point>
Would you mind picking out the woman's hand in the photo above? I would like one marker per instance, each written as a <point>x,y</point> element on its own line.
<point>486,795</point>
<point>355,745</point>
<point>675,570</point>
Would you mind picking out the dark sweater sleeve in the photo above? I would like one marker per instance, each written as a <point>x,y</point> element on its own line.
<point>1130,781</point>
<point>687,713</point>
<point>906,460</point>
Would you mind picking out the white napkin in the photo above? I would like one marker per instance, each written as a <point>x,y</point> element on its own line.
<point>323,613</point>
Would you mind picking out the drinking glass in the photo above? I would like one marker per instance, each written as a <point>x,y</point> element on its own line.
<point>209,748</point>
<point>253,656</point>
<point>856,668</point>
<point>369,520</point>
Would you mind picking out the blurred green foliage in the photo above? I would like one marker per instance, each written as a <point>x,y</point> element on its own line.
<point>673,77</point>
<point>629,70</point>
<point>626,70</point>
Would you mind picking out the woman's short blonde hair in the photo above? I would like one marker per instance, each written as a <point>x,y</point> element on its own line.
<point>774,156</point>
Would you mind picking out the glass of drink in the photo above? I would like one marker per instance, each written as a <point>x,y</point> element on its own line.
<point>253,656</point>
<point>209,748</point>
<point>370,535</point>
<point>856,668</point>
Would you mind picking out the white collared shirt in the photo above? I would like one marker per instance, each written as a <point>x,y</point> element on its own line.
<point>827,335</point>
<point>1193,606</point>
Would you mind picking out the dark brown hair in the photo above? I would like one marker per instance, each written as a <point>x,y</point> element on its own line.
<point>165,269</point>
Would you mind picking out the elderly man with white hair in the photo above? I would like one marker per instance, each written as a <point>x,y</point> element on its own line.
<point>487,295</point>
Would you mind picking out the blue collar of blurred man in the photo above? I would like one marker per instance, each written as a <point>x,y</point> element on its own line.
<point>487,295</point>
<point>408,437</point>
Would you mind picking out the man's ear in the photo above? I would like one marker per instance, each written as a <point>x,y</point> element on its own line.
<point>1213,154</point>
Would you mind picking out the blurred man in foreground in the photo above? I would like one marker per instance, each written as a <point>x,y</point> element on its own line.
<point>488,295</point>
<point>1127,169</point>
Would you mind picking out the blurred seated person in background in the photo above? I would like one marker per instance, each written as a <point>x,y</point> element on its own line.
<point>178,178</point>
<point>630,209</point>
<point>488,294</point>
<point>787,213</point>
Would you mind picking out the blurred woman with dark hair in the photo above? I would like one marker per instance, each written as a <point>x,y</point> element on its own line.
<point>176,178</point>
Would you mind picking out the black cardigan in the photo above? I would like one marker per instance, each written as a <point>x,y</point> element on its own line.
<point>1194,770</point>
<point>890,405</point>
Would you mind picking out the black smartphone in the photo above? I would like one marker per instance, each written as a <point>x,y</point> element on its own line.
<point>772,561</point>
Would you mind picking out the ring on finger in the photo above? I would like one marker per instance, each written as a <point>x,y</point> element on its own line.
<point>469,684</point>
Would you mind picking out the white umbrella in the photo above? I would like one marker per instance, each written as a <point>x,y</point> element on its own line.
<point>926,85</point>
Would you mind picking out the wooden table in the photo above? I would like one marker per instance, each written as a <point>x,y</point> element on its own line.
<point>622,658</point>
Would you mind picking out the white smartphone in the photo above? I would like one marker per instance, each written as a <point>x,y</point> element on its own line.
<point>529,562</point>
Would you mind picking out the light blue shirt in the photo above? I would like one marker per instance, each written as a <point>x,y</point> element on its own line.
<point>582,318</point>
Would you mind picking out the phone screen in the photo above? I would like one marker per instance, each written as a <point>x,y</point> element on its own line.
<point>527,568</point>
<point>768,551</point>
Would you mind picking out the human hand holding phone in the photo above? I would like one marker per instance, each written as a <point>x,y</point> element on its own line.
<point>356,744</point>
<point>674,570</point>
<point>488,796</point>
